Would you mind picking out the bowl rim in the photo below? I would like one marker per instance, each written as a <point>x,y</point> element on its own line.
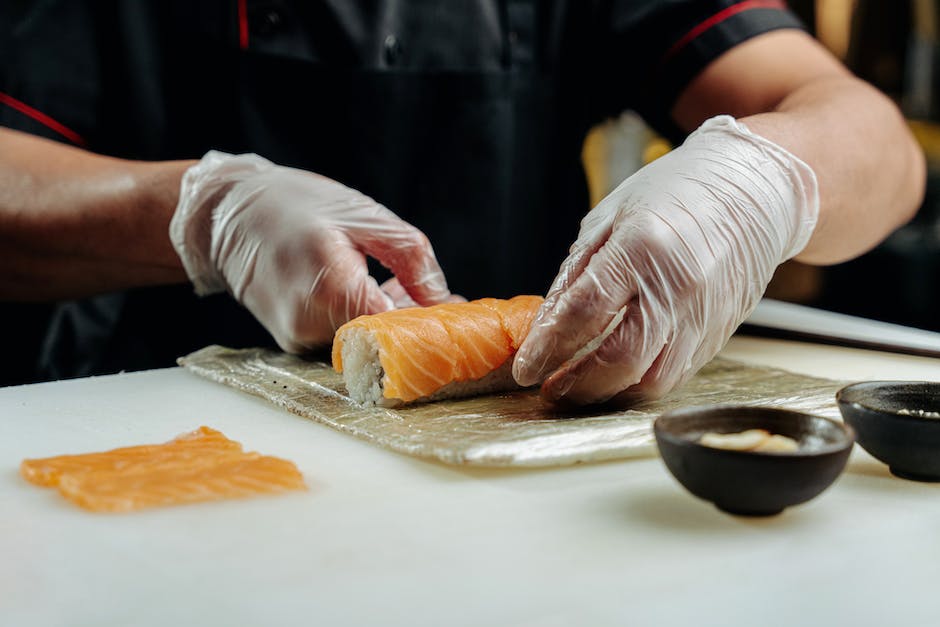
<point>886,412</point>
<point>826,449</point>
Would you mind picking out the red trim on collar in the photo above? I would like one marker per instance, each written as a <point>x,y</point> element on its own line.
<point>243,24</point>
<point>42,118</point>
<point>716,19</point>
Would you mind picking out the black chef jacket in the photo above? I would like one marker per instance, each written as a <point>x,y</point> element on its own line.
<point>464,117</point>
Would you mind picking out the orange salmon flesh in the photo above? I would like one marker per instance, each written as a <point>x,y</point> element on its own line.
<point>202,465</point>
<point>422,349</point>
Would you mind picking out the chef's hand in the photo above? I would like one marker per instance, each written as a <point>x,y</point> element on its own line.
<point>291,246</point>
<point>667,266</point>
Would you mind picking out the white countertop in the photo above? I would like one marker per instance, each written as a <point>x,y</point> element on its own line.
<point>384,539</point>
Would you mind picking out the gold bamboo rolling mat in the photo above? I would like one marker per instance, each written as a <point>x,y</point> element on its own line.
<point>510,429</point>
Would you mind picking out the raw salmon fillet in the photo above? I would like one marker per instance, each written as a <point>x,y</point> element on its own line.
<point>199,466</point>
<point>424,353</point>
<point>202,443</point>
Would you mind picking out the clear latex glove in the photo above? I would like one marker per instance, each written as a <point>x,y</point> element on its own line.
<point>401,299</point>
<point>667,266</point>
<point>291,246</point>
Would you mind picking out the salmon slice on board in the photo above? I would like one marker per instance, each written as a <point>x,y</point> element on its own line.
<point>200,466</point>
<point>232,476</point>
<point>203,442</point>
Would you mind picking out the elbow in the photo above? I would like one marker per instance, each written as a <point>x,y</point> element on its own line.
<point>915,183</point>
<point>910,173</point>
<point>889,191</point>
<point>901,160</point>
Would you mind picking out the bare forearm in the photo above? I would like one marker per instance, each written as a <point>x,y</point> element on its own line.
<point>786,87</point>
<point>870,171</point>
<point>73,223</point>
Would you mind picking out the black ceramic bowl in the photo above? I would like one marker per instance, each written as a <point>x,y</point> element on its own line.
<point>752,483</point>
<point>909,444</point>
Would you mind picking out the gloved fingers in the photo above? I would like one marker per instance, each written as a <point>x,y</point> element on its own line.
<point>674,365</point>
<point>397,293</point>
<point>620,362</point>
<point>306,313</point>
<point>400,297</point>
<point>407,252</point>
<point>578,311</point>
<point>579,256</point>
<point>599,220</point>
<point>346,290</point>
<point>580,253</point>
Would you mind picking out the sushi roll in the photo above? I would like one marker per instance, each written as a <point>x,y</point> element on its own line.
<point>431,353</point>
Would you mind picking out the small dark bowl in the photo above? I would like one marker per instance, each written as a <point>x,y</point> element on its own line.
<point>751,483</point>
<point>910,445</point>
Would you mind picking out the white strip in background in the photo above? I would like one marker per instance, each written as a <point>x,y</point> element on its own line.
<point>843,329</point>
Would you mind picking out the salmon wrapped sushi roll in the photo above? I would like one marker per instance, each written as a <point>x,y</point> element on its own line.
<point>431,353</point>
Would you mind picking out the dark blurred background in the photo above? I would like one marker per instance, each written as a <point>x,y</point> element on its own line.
<point>893,45</point>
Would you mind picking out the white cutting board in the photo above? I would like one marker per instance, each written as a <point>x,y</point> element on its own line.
<point>214,563</point>
<point>385,539</point>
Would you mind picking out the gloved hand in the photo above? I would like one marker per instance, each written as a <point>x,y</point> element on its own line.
<point>667,266</point>
<point>291,246</point>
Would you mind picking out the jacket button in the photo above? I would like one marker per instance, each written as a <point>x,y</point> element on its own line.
<point>392,50</point>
